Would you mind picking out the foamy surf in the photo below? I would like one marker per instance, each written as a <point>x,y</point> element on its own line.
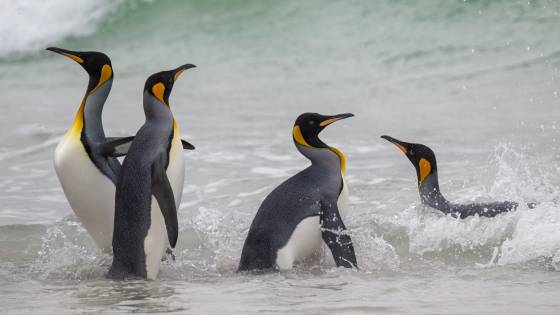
<point>29,25</point>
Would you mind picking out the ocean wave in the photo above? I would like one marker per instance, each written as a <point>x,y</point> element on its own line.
<point>31,25</point>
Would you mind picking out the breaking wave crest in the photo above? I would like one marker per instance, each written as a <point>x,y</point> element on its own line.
<point>25,27</point>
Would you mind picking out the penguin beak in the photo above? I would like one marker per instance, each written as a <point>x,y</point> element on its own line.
<point>177,72</point>
<point>330,119</point>
<point>399,144</point>
<point>70,54</point>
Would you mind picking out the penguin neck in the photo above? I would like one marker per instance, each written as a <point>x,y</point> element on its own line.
<point>88,117</point>
<point>329,160</point>
<point>93,109</point>
<point>156,111</point>
<point>429,191</point>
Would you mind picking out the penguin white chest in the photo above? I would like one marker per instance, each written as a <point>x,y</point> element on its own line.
<point>156,238</point>
<point>307,238</point>
<point>176,168</point>
<point>90,193</point>
<point>155,241</point>
<point>305,241</point>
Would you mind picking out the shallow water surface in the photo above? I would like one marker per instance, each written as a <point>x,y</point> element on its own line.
<point>477,81</point>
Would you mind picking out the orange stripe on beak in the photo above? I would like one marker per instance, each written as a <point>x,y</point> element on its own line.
<point>74,57</point>
<point>328,122</point>
<point>402,148</point>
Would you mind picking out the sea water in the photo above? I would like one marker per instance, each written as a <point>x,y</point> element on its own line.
<point>477,81</point>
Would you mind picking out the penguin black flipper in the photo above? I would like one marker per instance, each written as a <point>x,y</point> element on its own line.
<point>162,191</point>
<point>116,146</point>
<point>187,145</point>
<point>334,235</point>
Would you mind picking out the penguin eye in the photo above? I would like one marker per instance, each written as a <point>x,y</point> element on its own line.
<point>411,152</point>
<point>311,122</point>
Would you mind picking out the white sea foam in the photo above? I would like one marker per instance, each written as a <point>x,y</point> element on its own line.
<point>29,25</point>
<point>536,235</point>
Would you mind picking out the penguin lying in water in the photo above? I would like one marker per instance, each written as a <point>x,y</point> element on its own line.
<point>304,211</point>
<point>150,184</point>
<point>424,160</point>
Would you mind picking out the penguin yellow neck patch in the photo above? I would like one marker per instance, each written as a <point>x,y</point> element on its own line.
<point>342,159</point>
<point>158,89</point>
<point>75,131</point>
<point>299,137</point>
<point>175,128</point>
<point>425,169</point>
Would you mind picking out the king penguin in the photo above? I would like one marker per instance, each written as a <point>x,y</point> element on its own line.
<point>424,160</point>
<point>150,184</point>
<point>296,218</point>
<point>87,175</point>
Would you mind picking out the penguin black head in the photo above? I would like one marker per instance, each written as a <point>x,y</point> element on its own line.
<point>308,126</point>
<point>160,84</point>
<point>422,157</point>
<point>97,64</point>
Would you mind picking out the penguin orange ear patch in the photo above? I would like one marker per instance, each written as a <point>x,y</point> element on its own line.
<point>158,89</point>
<point>299,137</point>
<point>106,73</point>
<point>425,169</point>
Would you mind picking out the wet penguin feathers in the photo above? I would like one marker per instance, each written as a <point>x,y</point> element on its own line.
<point>422,157</point>
<point>424,161</point>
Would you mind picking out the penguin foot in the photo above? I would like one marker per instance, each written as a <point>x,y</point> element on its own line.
<point>169,255</point>
<point>117,272</point>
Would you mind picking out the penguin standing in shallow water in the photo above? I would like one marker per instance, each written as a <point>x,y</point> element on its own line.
<point>149,186</point>
<point>304,211</point>
<point>87,175</point>
<point>424,160</point>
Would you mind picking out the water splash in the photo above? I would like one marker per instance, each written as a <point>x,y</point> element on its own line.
<point>67,252</point>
